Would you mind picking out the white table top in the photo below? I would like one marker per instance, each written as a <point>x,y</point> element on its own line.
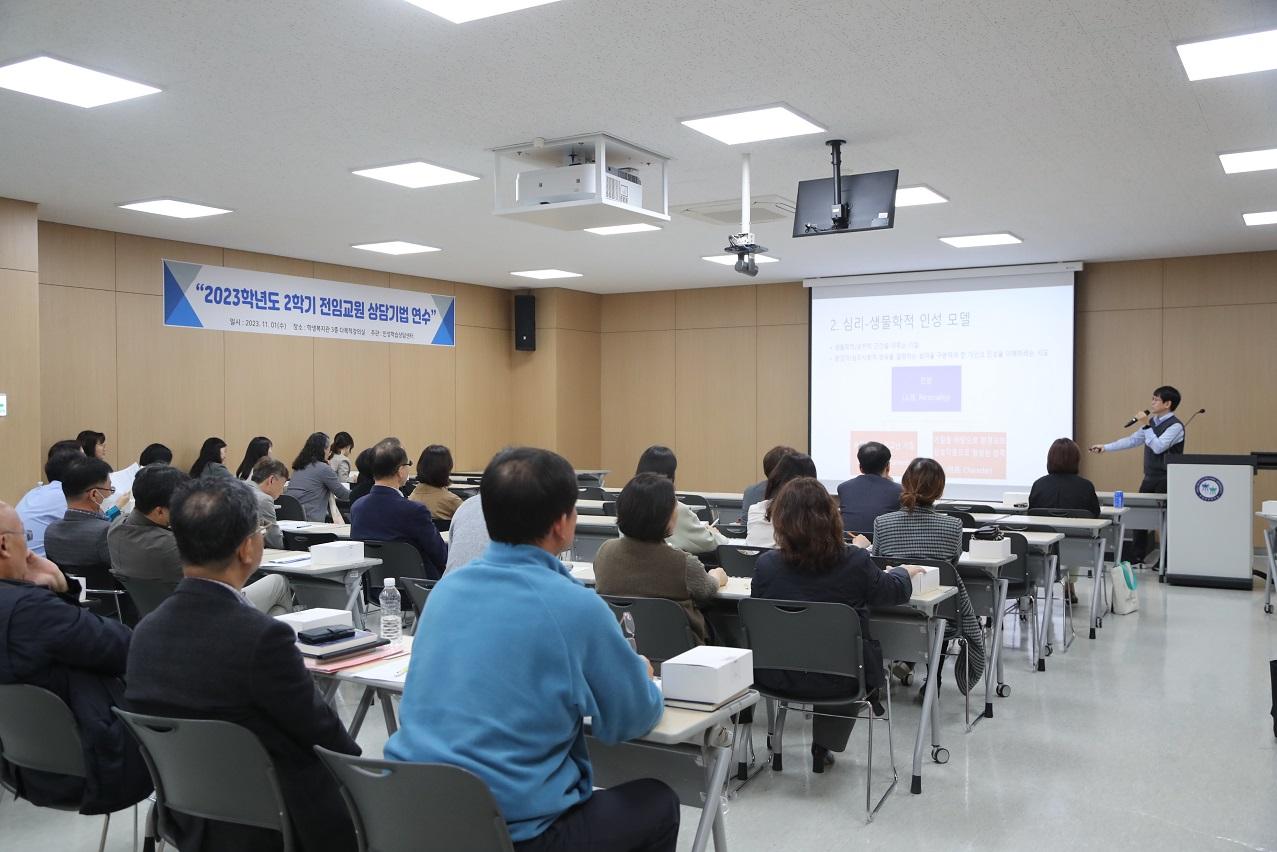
<point>1013,508</point>
<point>1267,516</point>
<point>1091,525</point>
<point>299,562</point>
<point>1037,540</point>
<point>1134,499</point>
<point>339,530</point>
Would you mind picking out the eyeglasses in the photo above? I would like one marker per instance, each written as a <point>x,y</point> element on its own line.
<point>406,464</point>
<point>264,527</point>
<point>110,489</point>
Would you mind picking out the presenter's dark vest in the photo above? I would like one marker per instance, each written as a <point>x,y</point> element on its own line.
<point>1155,463</point>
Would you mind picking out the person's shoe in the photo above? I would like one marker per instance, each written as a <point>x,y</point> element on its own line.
<point>902,672</point>
<point>1072,595</point>
<point>820,758</point>
<point>875,703</point>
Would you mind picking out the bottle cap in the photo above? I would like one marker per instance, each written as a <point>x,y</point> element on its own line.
<point>388,582</point>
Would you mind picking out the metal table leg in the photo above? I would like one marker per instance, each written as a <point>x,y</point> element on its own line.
<point>1052,564</point>
<point>388,710</point>
<point>361,711</point>
<point>1161,548</point>
<point>930,710</point>
<point>1097,590</point>
<point>717,760</point>
<point>1121,539</point>
<point>1270,536</point>
<point>352,580</point>
<point>994,664</point>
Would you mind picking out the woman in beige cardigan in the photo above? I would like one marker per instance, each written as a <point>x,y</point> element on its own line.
<point>641,564</point>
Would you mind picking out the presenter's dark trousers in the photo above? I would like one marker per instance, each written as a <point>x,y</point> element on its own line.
<point>638,816</point>
<point>1141,540</point>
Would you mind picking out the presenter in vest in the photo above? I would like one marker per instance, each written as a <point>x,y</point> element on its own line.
<point>1161,435</point>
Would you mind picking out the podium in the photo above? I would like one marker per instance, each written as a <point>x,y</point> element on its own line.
<point>1209,513</point>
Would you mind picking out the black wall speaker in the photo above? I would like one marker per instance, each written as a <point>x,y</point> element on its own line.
<point>525,323</point>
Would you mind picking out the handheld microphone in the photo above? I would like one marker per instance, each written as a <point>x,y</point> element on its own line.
<point>1134,420</point>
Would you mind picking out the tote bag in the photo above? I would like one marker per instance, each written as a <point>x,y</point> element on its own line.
<point>1122,589</point>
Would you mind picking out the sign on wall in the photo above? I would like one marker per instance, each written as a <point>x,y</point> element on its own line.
<point>223,299</point>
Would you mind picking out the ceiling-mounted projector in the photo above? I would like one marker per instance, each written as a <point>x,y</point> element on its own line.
<point>575,181</point>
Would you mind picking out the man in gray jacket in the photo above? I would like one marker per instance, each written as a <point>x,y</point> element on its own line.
<point>269,477</point>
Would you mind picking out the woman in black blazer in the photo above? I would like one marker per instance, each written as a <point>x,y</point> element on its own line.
<point>812,563</point>
<point>1062,488</point>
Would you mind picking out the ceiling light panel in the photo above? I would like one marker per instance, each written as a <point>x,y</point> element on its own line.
<point>981,240</point>
<point>462,11</point>
<point>1267,218</point>
<point>730,259</point>
<point>614,230</point>
<point>546,274</point>
<point>396,247</point>
<point>1249,161</point>
<point>415,175</point>
<point>46,77</point>
<point>914,196</point>
<point>1224,57</point>
<point>756,125</point>
<point>174,208</point>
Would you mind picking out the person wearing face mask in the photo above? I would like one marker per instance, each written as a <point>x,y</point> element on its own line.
<point>79,539</point>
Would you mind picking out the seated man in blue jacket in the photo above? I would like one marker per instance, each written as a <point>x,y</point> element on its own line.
<point>384,514</point>
<point>512,654</point>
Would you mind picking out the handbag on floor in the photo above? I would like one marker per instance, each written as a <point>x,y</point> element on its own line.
<point>1123,596</point>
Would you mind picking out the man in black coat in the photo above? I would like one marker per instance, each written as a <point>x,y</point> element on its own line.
<point>51,642</point>
<point>206,653</point>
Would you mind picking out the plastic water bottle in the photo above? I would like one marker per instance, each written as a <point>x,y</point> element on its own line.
<point>391,619</point>
<point>627,628</point>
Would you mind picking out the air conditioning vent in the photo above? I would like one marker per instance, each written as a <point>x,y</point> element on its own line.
<point>763,209</point>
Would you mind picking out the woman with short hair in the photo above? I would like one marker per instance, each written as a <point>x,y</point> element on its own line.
<point>434,472</point>
<point>790,466</point>
<point>313,480</point>
<point>1063,488</point>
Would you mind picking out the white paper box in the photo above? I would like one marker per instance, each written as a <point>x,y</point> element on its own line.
<point>337,552</point>
<point>309,619</point>
<point>707,675</point>
<point>926,581</point>
<point>983,549</point>
<point>1269,507</point>
<point>1016,498</point>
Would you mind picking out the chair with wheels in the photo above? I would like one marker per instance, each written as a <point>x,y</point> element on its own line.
<point>813,638</point>
<point>395,805</point>
<point>38,732</point>
<point>738,560</point>
<point>212,770</point>
<point>288,509</point>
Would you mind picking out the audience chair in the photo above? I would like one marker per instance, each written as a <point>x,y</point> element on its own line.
<point>968,522</point>
<point>734,530</point>
<point>398,806</point>
<point>464,493</point>
<point>738,560</point>
<point>971,508</point>
<point>816,638</point>
<point>609,508</point>
<point>1060,576</point>
<point>408,487</point>
<point>1060,513</point>
<point>39,732</point>
<point>145,594</point>
<point>306,540</point>
<point>593,492</point>
<point>418,590</point>
<point>661,628</point>
<point>288,509</point>
<point>210,769</point>
<point>442,524</point>
<point>100,583</point>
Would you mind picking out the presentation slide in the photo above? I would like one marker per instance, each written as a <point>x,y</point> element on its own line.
<point>975,372</point>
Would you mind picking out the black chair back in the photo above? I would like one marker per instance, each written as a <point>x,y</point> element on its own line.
<point>805,636</point>
<point>101,585</point>
<point>408,487</point>
<point>593,492</point>
<point>733,530</point>
<point>442,524</point>
<point>288,509</point>
<point>970,508</point>
<point>1061,513</point>
<point>38,731</point>
<point>464,493</point>
<point>965,517</point>
<point>738,560</point>
<point>418,590</point>
<point>306,540</point>
<point>609,508</point>
<point>661,628</point>
<point>210,769</point>
<point>398,559</point>
<point>395,805</point>
<point>146,594</point>
<point>948,577</point>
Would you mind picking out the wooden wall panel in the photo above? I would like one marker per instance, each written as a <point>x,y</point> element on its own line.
<point>171,382</point>
<point>270,391</point>
<point>423,396</point>
<point>1116,371</point>
<point>782,389</point>
<point>1129,285</point>
<point>570,309</point>
<point>19,236</point>
<point>423,285</point>
<point>352,390</point>
<point>533,398</point>
<point>783,304</point>
<point>1225,279</point>
<point>483,392</point>
<point>137,261</point>
<point>483,307</point>
<point>717,431</point>
<point>21,453</point>
<point>716,307</point>
<point>78,353</point>
<point>352,275</point>
<point>268,263</point>
<point>77,257</point>
<point>579,375</point>
<point>652,311</point>
<point>637,394</point>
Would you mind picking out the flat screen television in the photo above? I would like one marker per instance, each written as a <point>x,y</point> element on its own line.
<point>871,196</point>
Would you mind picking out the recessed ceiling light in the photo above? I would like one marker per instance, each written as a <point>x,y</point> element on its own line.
<point>46,77</point>
<point>1266,218</point>
<point>912,196</point>
<point>730,259</point>
<point>415,175</point>
<point>613,230</point>
<point>755,125</point>
<point>546,274</point>
<point>1224,57</point>
<point>176,209</point>
<point>461,11</point>
<point>1249,161</point>
<point>979,240</point>
<point>396,247</point>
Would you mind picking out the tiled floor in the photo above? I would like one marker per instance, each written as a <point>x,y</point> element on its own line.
<point>1154,736</point>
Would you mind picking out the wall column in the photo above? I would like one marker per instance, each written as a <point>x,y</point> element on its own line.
<point>21,455</point>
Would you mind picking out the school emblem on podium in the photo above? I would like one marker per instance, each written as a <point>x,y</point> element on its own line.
<point>1209,489</point>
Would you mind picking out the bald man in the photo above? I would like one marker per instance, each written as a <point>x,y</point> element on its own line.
<point>53,643</point>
